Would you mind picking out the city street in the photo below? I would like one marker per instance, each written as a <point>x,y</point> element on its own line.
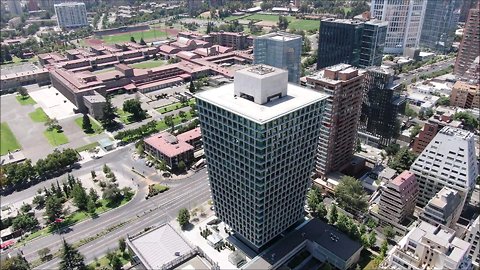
<point>136,215</point>
<point>407,78</point>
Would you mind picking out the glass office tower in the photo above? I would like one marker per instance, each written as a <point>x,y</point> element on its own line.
<point>260,135</point>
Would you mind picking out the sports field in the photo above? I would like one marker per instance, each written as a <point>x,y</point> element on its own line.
<point>8,142</point>
<point>148,35</point>
<point>306,25</point>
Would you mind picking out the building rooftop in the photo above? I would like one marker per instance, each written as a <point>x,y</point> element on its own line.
<point>159,247</point>
<point>315,230</point>
<point>444,197</point>
<point>344,21</point>
<point>280,36</point>
<point>168,144</point>
<point>296,98</point>
<point>403,179</point>
<point>190,135</point>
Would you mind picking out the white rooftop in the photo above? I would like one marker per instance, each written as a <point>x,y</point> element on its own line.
<point>283,36</point>
<point>158,247</point>
<point>296,97</point>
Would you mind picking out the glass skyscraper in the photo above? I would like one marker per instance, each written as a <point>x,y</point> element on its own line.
<point>339,41</point>
<point>373,43</point>
<point>260,135</point>
<point>281,50</point>
<point>439,25</point>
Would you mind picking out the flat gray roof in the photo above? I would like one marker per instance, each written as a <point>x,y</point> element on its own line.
<point>297,97</point>
<point>158,247</point>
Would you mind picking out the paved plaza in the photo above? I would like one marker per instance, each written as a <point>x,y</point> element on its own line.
<point>53,102</point>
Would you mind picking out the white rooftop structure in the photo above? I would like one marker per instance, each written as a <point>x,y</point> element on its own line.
<point>430,247</point>
<point>159,247</point>
<point>263,83</point>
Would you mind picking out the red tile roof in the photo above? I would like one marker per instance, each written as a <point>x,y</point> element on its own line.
<point>168,144</point>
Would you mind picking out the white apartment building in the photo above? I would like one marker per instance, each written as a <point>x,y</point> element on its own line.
<point>71,15</point>
<point>405,20</point>
<point>444,208</point>
<point>429,247</point>
<point>473,237</point>
<point>448,160</point>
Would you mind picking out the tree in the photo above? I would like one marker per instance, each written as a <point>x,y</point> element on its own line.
<point>307,45</point>
<point>282,23</point>
<point>134,106</point>
<point>71,259</point>
<point>350,194</point>
<point>108,119</point>
<point>410,112</point>
<point>191,87</point>
<point>112,194</point>
<point>181,166</point>
<point>25,208</point>
<point>23,92</point>
<point>415,130</point>
<point>359,146</point>
<point>93,195</point>
<point>183,217</point>
<point>314,197</point>
<point>15,263</point>
<point>116,263</point>
<point>169,121</point>
<point>121,244</point>
<point>342,223</point>
<point>142,42</point>
<point>53,208</point>
<point>91,207</point>
<point>443,101</point>
<point>52,124</point>
<point>468,119</point>
<point>80,197</point>
<point>402,160</point>
<point>86,124</point>
<point>132,39</point>
<point>392,149</point>
<point>93,174</point>
<point>321,210</point>
<point>43,253</point>
<point>372,238</point>
<point>333,214</point>
<point>39,200</point>
<point>384,248</point>
<point>389,232</point>
<point>24,222</point>
<point>182,114</point>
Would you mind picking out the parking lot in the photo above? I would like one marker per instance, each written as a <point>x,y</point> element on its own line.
<point>30,134</point>
<point>11,69</point>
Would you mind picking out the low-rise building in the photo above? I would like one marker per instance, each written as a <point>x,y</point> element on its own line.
<point>429,247</point>
<point>10,81</point>
<point>473,237</point>
<point>322,241</point>
<point>172,150</point>
<point>165,248</point>
<point>443,209</point>
<point>94,105</point>
<point>397,201</point>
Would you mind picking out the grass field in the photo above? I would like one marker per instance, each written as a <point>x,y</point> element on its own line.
<point>8,142</point>
<point>149,64</point>
<point>38,115</point>
<point>151,34</point>
<point>104,263</point>
<point>97,129</point>
<point>25,100</point>
<point>294,23</point>
<point>55,138</point>
<point>87,147</point>
<point>175,106</point>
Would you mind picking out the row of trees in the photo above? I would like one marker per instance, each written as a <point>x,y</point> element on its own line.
<point>22,175</point>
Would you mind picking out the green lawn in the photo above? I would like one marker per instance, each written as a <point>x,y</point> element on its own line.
<point>97,129</point>
<point>28,100</point>
<point>87,147</point>
<point>104,263</point>
<point>38,115</point>
<point>8,142</point>
<point>149,64</point>
<point>16,60</point>
<point>151,34</point>
<point>55,138</point>
<point>176,120</point>
<point>305,25</point>
<point>126,117</point>
<point>233,18</point>
<point>175,106</point>
<point>265,17</point>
